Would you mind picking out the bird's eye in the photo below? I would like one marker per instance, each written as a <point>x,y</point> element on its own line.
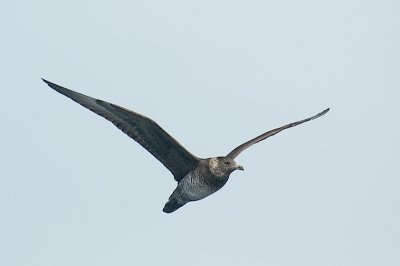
<point>227,162</point>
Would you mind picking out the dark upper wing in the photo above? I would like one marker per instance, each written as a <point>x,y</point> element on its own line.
<point>142,129</point>
<point>233,154</point>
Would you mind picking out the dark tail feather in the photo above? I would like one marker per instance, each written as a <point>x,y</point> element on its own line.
<point>171,206</point>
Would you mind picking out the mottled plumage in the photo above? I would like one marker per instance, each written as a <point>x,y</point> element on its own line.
<point>197,178</point>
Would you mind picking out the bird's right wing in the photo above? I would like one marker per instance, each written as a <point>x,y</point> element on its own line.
<point>140,128</point>
<point>235,152</point>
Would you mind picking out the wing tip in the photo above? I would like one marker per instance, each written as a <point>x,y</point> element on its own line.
<point>50,84</point>
<point>56,87</point>
<point>322,113</point>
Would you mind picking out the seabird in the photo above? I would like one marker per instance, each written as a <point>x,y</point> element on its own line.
<point>197,178</point>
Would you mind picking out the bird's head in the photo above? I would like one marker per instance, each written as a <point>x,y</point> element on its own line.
<point>223,166</point>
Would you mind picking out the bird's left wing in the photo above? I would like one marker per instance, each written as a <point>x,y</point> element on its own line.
<point>140,128</point>
<point>235,152</point>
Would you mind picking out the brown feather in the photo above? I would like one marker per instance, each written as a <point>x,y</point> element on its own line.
<point>140,128</point>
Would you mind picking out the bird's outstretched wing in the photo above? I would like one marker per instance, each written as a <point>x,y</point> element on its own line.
<point>235,152</point>
<point>140,128</point>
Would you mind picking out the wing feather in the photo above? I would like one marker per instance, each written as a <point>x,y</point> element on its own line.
<point>141,129</point>
<point>235,152</point>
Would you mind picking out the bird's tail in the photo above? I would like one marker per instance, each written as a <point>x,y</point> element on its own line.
<point>172,205</point>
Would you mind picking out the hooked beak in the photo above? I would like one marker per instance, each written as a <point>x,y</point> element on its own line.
<point>239,167</point>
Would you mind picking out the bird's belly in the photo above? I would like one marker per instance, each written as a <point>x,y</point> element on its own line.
<point>192,188</point>
<point>198,191</point>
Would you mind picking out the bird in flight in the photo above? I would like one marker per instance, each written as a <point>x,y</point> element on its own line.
<point>197,178</point>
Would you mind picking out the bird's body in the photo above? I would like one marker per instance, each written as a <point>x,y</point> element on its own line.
<point>197,178</point>
<point>199,183</point>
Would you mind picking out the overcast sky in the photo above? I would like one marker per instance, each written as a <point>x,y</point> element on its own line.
<point>76,191</point>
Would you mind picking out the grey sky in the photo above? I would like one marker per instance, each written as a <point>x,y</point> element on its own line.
<point>74,190</point>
